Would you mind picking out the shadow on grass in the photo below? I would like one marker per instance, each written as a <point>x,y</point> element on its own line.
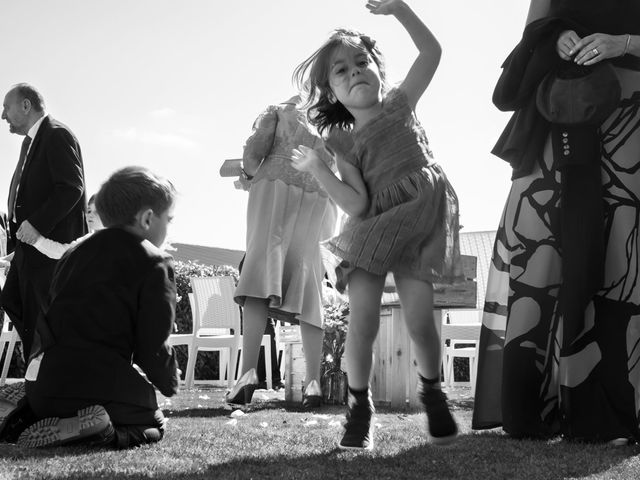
<point>486,455</point>
<point>467,459</point>
<point>197,412</point>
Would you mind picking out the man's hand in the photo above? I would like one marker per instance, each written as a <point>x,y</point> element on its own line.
<point>27,233</point>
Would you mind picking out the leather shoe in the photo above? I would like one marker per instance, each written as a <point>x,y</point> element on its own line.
<point>242,392</point>
<point>312,397</point>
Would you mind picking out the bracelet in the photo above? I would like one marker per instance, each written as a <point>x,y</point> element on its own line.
<point>246,175</point>
<point>626,47</point>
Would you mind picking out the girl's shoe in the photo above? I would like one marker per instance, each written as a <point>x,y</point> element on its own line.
<point>442,428</point>
<point>312,397</point>
<point>242,392</point>
<point>358,430</point>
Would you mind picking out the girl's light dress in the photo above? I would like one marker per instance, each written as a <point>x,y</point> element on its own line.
<point>411,226</point>
<point>288,214</point>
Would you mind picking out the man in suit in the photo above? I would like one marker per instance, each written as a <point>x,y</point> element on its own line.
<point>46,198</point>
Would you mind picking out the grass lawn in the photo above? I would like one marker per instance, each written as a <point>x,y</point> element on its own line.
<point>273,439</point>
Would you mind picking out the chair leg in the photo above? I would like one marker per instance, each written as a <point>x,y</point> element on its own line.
<point>451,375</point>
<point>473,372</point>
<point>189,378</point>
<point>7,360</point>
<point>266,342</point>
<point>231,370</point>
<point>445,368</point>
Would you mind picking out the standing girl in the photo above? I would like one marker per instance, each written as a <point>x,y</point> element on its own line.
<point>287,215</point>
<point>403,212</point>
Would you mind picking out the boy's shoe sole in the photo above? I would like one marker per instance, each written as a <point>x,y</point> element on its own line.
<point>54,431</point>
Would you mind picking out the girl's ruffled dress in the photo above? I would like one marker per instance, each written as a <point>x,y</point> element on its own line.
<point>411,227</point>
<point>288,214</point>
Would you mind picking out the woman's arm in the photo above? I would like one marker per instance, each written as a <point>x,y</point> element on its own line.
<point>424,67</point>
<point>538,9</point>
<point>350,193</point>
<point>260,141</point>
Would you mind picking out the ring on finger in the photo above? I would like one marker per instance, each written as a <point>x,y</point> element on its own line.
<point>595,52</point>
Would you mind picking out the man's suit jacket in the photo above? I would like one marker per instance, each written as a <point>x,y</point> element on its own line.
<point>111,302</point>
<point>51,192</point>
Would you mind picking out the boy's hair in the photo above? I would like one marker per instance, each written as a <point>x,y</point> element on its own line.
<point>130,190</point>
<point>312,76</point>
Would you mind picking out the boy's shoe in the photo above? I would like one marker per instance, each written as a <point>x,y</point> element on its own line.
<point>91,424</point>
<point>441,428</point>
<point>10,397</point>
<point>358,430</point>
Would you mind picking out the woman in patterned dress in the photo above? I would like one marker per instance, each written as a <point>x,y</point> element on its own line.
<point>542,372</point>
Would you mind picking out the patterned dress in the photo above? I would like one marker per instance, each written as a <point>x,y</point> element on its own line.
<point>288,214</point>
<point>411,227</point>
<point>526,382</point>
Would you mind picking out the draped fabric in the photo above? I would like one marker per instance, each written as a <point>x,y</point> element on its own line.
<point>528,381</point>
<point>616,17</point>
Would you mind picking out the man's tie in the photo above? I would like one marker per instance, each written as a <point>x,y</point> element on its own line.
<point>15,181</point>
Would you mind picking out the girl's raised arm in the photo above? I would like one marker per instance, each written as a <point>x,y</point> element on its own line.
<point>425,65</point>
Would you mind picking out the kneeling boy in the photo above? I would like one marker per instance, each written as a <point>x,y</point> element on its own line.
<point>112,305</point>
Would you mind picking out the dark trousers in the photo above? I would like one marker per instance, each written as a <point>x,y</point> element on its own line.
<point>24,294</point>
<point>130,422</point>
<point>275,370</point>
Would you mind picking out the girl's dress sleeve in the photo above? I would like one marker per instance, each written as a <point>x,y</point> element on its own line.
<point>259,143</point>
<point>340,143</point>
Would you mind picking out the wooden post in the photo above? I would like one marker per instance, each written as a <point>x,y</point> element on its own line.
<point>399,360</point>
<point>395,373</point>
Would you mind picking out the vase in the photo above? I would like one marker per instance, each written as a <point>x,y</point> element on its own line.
<point>334,387</point>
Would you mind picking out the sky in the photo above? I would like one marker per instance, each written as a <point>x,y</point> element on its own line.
<point>175,85</point>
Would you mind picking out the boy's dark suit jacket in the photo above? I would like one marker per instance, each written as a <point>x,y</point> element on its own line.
<point>112,303</point>
<point>51,196</point>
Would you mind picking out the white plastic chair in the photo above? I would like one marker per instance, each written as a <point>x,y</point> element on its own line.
<point>184,338</point>
<point>216,326</point>
<point>460,334</point>
<point>8,338</point>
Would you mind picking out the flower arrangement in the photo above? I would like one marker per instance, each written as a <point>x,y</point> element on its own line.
<point>335,332</point>
<point>334,380</point>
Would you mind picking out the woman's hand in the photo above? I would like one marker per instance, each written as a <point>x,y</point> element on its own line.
<point>383,7</point>
<point>597,47</point>
<point>305,159</point>
<point>566,43</point>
